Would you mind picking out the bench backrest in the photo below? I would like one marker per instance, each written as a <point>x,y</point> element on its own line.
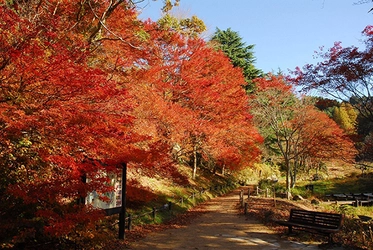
<point>313,218</point>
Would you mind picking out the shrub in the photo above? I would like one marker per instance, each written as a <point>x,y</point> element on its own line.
<point>271,185</point>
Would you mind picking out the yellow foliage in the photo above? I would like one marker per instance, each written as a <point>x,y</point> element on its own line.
<point>187,26</point>
<point>345,116</point>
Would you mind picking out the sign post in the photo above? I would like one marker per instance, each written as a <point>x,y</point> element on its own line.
<point>117,198</point>
<point>122,214</point>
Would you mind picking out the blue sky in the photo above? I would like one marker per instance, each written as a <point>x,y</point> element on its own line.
<point>286,33</point>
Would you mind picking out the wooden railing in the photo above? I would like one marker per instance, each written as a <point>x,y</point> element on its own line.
<point>256,191</point>
<point>354,199</point>
<point>219,189</point>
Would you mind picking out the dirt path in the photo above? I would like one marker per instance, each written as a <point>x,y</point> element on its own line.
<point>221,227</point>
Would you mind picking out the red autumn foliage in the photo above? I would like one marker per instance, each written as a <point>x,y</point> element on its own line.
<point>57,112</point>
<point>321,138</point>
<point>86,86</point>
<point>184,76</point>
<point>296,130</point>
<point>344,74</point>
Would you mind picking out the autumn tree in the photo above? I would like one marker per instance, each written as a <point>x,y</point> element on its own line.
<point>321,139</point>
<point>200,96</point>
<point>220,105</point>
<point>62,121</point>
<point>345,74</point>
<point>346,117</point>
<point>294,129</point>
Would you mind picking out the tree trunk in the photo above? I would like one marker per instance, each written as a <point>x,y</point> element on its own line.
<point>293,179</point>
<point>294,175</point>
<point>194,162</point>
<point>288,178</point>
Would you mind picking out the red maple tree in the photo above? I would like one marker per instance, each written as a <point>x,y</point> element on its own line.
<point>62,120</point>
<point>294,128</point>
<point>201,107</point>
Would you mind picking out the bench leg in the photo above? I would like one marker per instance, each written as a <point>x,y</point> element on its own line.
<point>330,239</point>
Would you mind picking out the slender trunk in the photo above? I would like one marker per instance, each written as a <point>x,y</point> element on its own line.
<point>294,175</point>
<point>293,179</point>
<point>194,162</point>
<point>288,178</point>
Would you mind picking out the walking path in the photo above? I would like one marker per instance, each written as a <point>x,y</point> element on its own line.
<point>221,227</point>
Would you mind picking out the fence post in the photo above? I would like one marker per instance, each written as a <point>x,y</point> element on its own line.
<point>154,213</point>
<point>246,206</point>
<point>248,193</point>
<point>169,205</point>
<point>257,190</point>
<point>129,226</point>
<point>266,192</point>
<point>241,198</point>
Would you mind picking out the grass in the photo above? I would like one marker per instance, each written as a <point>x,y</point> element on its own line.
<point>351,184</point>
<point>356,232</point>
<point>181,199</point>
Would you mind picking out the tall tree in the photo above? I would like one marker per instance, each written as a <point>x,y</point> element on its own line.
<point>241,55</point>
<point>201,95</point>
<point>294,129</point>
<point>345,74</point>
<point>62,121</point>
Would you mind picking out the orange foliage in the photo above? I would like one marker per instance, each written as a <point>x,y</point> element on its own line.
<point>86,86</point>
<point>195,97</point>
<point>322,138</point>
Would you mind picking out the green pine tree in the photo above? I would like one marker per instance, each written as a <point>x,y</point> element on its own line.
<point>241,55</point>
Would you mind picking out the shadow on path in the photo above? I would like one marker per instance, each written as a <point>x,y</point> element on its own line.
<point>221,227</point>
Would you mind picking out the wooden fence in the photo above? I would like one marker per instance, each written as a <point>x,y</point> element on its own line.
<point>354,199</point>
<point>256,191</point>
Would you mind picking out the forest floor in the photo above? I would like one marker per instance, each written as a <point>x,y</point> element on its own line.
<point>220,224</point>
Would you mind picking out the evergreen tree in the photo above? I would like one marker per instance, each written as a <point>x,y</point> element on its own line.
<point>241,55</point>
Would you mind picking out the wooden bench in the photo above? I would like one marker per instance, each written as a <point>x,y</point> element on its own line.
<point>316,222</point>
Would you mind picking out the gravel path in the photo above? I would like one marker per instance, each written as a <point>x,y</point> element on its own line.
<point>221,227</point>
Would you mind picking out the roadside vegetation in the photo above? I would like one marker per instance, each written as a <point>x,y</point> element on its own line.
<point>356,231</point>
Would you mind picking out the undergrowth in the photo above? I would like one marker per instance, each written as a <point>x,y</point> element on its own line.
<point>356,232</point>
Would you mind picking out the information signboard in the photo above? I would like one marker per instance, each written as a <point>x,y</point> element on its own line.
<point>115,197</point>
